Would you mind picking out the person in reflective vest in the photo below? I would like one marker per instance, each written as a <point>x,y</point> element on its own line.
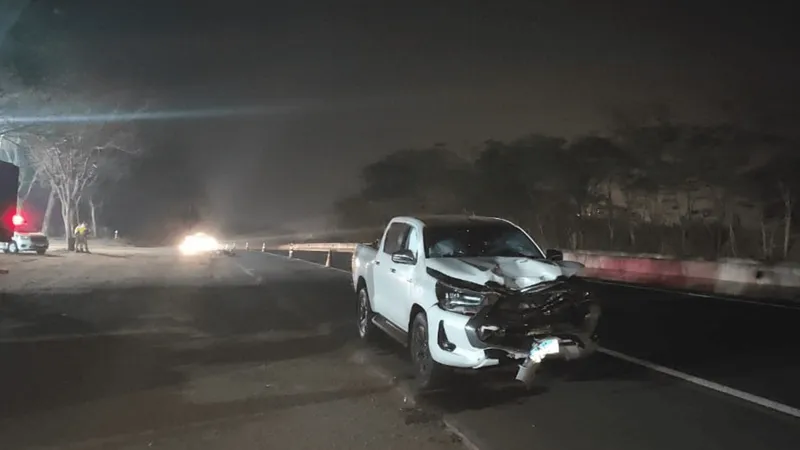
<point>82,238</point>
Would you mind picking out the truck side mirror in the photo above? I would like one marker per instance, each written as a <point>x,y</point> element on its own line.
<point>554,254</point>
<point>404,256</point>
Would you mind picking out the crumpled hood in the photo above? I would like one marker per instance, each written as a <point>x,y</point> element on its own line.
<point>512,272</point>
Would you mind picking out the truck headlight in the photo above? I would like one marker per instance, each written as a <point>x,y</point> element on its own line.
<point>461,300</point>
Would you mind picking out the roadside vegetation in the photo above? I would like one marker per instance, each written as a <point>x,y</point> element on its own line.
<point>651,184</point>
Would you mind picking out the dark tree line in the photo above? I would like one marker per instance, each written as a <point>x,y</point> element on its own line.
<point>658,187</point>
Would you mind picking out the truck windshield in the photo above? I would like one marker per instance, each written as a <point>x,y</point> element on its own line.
<point>475,240</point>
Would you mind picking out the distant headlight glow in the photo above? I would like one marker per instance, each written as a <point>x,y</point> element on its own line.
<point>198,243</point>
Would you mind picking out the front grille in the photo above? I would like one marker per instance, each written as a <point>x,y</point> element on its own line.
<point>560,308</point>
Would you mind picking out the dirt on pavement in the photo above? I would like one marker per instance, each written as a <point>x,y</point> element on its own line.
<point>320,402</point>
<point>60,270</point>
<point>187,353</point>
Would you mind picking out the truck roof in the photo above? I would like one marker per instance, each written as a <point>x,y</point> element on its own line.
<point>443,220</point>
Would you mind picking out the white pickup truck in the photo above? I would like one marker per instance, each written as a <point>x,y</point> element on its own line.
<point>466,292</point>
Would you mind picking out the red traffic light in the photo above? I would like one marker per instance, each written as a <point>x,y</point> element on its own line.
<point>17,220</point>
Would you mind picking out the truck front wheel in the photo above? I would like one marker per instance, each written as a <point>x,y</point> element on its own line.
<point>429,373</point>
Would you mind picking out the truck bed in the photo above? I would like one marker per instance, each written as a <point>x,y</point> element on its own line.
<point>363,255</point>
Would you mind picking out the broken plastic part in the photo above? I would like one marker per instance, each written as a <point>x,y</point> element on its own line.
<point>563,308</point>
<point>539,351</point>
<point>527,372</point>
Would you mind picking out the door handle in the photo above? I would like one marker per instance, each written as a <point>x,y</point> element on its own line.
<point>392,270</point>
<point>377,263</point>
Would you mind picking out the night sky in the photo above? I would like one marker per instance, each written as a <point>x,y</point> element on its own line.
<point>351,81</point>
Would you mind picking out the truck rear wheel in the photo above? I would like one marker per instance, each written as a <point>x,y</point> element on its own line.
<point>366,329</point>
<point>429,373</point>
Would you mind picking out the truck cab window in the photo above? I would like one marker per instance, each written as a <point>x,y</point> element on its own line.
<point>395,237</point>
<point>412,241</point>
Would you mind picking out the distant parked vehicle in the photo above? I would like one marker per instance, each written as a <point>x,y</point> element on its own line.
<point>22,241</point>
<point>14,237</point>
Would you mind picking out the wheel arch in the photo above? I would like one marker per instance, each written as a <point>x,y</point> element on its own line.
<point>416,309</point>
<point>361,283</point>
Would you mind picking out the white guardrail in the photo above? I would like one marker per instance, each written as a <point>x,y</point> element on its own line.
<point>329,247</point>
<point>727,276</point>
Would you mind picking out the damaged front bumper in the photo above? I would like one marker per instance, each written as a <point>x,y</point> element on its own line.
<point>520,328</point>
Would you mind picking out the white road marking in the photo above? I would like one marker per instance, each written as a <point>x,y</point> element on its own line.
<point>309,262</point>
<point>761,401</point>
<point>249,272</point>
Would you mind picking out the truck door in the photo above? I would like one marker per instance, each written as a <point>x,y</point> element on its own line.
<point>388,291</point>
<point>402,280</point>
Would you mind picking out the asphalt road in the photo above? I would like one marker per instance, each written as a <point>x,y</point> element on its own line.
<point>608,403</point>
<point>267,346</point>
<point>190,353</point>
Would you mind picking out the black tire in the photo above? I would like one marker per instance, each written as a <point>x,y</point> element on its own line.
<point>366,329</point>
<point>40,252</point>
<point>429,373</point>
<point>12,247</point>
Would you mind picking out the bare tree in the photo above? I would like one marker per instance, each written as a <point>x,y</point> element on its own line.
<point>48,210</point>
<point>68,144</point>
<point>74,158</point>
